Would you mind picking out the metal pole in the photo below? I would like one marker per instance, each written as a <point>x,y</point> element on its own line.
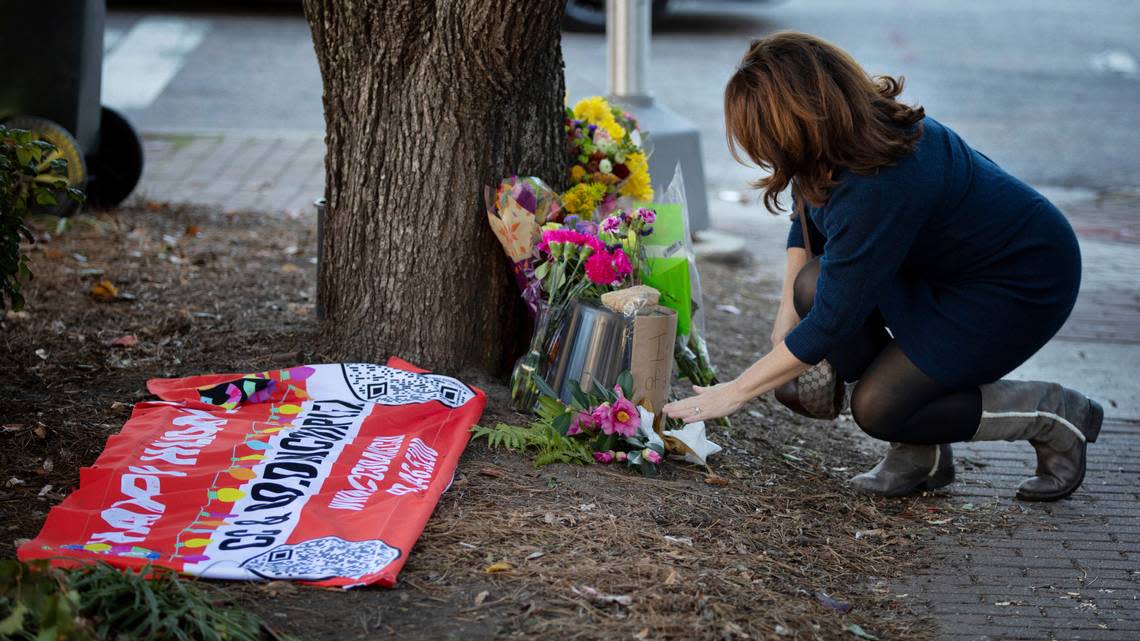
<point>627,41</point>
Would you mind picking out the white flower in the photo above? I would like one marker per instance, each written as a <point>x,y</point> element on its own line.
<point>605,166</point>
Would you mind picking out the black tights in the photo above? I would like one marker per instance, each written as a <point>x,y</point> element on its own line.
<point>893,400</point>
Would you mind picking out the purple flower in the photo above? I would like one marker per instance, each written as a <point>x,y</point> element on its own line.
<point>647,216</point>
<point>604,457</point>
<point>611,224</point>
<point>651,455</point>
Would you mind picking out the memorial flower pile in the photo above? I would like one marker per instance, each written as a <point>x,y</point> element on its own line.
<point>607,421</point>
<point>608,162</point>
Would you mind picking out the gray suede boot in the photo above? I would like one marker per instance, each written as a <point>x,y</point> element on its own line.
<point>907,469</point>
<point>1058,422</point>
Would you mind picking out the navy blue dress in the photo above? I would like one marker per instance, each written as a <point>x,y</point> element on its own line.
<point>972,269</point>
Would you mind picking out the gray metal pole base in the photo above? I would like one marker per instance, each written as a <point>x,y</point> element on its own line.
<point>673,140</point>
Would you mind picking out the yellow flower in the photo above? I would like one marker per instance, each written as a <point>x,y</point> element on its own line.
<point>616,131</point>
<point>594,110</point>
<point>637,186</point>
<point>576,173</point>
<point>582,199</point>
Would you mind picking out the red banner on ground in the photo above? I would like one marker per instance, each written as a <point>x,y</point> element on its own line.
<point>319,473</point>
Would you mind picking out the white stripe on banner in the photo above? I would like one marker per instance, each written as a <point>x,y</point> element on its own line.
<point>145,60</point>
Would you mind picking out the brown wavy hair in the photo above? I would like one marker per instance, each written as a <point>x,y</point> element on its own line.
<point>802,108</point>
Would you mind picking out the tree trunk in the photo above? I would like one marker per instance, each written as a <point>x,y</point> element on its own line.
<point>426,102</point>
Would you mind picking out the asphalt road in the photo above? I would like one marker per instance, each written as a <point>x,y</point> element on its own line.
<point>1048,88</point>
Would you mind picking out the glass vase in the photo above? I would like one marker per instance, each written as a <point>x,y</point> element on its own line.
<point>524,393</point>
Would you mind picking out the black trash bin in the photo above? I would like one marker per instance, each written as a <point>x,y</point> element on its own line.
<point>52,54</point>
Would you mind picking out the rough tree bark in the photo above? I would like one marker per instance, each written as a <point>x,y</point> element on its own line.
<point>427,101</point>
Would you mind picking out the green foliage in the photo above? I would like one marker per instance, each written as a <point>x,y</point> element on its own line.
<point>32,173</point>
<point>541,437</point>
<point>97,602</point>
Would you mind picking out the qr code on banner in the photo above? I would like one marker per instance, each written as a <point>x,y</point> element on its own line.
<point>390,386</point>
<point>323,558</point>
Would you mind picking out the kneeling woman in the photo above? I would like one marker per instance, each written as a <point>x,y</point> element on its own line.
<point>970,269</point>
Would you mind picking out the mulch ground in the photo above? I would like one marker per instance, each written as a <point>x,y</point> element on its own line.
<point>769,544</point>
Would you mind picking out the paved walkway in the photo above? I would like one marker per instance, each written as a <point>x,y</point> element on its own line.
<point>266,171</point>
<point>1066,571</point>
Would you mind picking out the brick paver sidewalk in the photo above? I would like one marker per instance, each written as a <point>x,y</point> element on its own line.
<point>272,172</point>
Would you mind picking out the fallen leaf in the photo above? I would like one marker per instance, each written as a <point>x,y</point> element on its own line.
<point>714,479</point>
<point>275,588</point>
<point>601,597</point>
<point>104,291</point>
<point>535,555</point>
<point>13,482</point>
<point>40,432</point>
<point>830,603</point>
<point>501,566</point>
<point>42,353</point>
<point>863,534</point>
<point>191,230</point>
<point>481,597</point>
<point>12,428</point>
<point>733,629</point>
<point>858,631</point>
<point>642,635</point>
<point>45,490</point>
<point>679,540</point>
<point>493,472</point>
<point>289,268</point>
<point>672,579</point>
<point>129,340</point>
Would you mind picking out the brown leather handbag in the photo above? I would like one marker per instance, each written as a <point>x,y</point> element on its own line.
<point>818,392</point>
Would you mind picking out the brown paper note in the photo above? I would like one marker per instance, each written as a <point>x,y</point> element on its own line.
<point>654,332</point>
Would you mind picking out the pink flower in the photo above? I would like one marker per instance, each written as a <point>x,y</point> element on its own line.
<point>602,418</point>
<point>624,415</point>
<point>647,216</point>
<point>600,269</point>
<point>582,422</point>
<point>611,224</point>
<point>651,455</point>
<point>621,457</point>
<point>621,264</point>
<point>604,457</point>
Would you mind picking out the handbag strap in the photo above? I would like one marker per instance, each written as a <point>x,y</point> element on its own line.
<point>802,214</point>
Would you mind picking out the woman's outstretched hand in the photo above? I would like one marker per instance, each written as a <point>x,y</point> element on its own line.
<point>708,403</point>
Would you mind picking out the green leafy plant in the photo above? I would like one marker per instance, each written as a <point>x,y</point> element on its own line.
<point>32,173</point>
<point>97,601</point>
<point>601,425</point>
<point>549,446</point>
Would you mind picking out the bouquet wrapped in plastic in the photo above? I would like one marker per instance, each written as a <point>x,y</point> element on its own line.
<point>517,210</point>
<point>608,160</point>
